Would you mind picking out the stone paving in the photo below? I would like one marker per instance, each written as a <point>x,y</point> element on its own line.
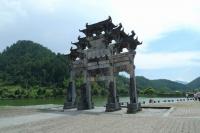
<point>183,117</point>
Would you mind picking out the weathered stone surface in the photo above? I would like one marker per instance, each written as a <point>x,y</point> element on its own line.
<point>84,102</point>
<point>113,100</point>
<point>71,97</point>
<point>98,56</point>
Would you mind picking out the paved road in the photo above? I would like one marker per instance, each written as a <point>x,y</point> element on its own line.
<point>182,118</point>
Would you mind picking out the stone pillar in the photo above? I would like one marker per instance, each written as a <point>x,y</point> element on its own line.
<point>85,101</point>
<point>89,95</point>
<point>90,104</point>
<point>113,99</point>
<point>133,106</point>
<point>70,101</point>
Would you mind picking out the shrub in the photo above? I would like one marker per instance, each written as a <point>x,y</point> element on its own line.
<point>149,91</point>
<point>41,92</point>
<point>103,92</point>
<point>48,93</point>
<point>17,92</point>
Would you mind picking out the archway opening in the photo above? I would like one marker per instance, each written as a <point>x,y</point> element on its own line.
<point>122,86</point>
<point>99,93</point>
<point>124,50</point>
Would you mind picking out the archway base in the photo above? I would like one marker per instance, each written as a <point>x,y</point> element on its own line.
<point>110,107</point>
<point>69,105</point>
<point>133,108</point>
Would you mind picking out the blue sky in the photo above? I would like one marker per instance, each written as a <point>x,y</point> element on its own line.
<point>179,40</point>
<point>174,56</point>
<point>169,29</point>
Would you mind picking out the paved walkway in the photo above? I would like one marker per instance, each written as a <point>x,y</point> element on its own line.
<point>183,117</point>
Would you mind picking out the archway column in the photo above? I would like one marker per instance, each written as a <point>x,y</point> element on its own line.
<point>113,99</point>
<point>70,101</point>
<point>134,105</point>
<point>88,90</point>
<point>85,101</point>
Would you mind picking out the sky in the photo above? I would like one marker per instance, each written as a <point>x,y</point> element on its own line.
<point>169,29</point>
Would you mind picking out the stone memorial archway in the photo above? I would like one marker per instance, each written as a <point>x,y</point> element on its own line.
<point>100,53</point>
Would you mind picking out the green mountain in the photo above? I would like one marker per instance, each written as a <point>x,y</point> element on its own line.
<point>194,84</point>
<point>159,84</point>
<point>28,64</point>
<point>182,82</point>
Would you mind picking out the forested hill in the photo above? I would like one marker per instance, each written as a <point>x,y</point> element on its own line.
<point>29,64</point>
<point>168,85</point>
<point>195,84</point>
<point>160,84</point>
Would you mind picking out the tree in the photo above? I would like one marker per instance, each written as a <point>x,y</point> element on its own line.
<point>28,64</point>
<point>149,91</point>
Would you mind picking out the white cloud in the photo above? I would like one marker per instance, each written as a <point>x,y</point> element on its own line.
<point>152,18</point>
<point>10,10</point>
<point>45,6</point>
<point>167,60</point>
<point>149,18</point>
<point>50,21</point>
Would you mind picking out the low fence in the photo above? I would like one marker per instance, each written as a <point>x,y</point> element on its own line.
<point>152,101</point>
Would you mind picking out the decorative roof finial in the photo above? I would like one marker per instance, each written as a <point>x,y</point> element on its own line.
<point>132,34</point>
<point>109,18</point>
<point>86,25</point>
<point>79,37</point>
<point>138,41</point>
